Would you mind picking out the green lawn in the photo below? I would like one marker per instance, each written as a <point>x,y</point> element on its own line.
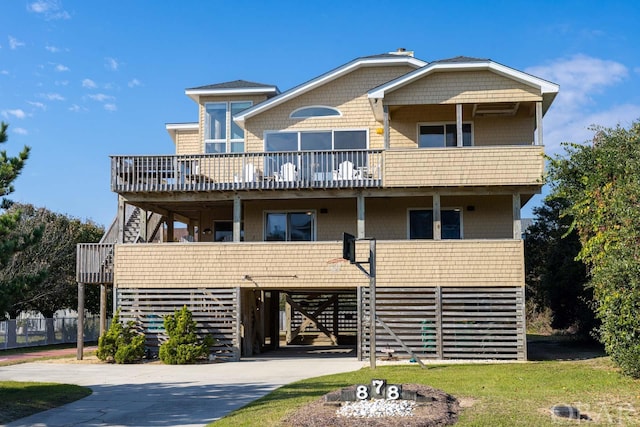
<point>512,394</point>
<point>18,400</point>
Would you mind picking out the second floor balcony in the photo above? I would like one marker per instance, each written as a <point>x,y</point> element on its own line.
<point>464,166</point>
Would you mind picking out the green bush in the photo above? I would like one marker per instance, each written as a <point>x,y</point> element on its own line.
<point>121,343</point>
<point>183,345</point>
<point>132,352</point>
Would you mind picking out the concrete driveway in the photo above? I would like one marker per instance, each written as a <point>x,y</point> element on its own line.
<point>160,395</point>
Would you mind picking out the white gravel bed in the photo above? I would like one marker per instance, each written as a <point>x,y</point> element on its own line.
<point>377,408</point>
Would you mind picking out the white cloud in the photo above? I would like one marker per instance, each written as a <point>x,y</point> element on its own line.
<point>60,67</point>
<point>134,83</point>
<point>52,49</point>
<point>111,63</point>
<point>17,113</point>
<point>88,83</point>
<point>110,107</point>
<point>50,9</point>
<point>39,105</point>
<point>20,131</point>
<point>52,96</point>
<point>101,97</point>
<point>14,43</point>
<point>582,80</point>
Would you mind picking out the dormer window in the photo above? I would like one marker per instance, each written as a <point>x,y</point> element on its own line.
<point>222,134</point>
<point>315,111</point>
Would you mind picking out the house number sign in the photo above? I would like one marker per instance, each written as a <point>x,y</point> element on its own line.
<point>379,389</point>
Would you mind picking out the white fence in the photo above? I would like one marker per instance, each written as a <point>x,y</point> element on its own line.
<point>31,332</point>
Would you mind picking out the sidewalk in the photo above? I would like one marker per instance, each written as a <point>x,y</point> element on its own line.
<point>31,353</point>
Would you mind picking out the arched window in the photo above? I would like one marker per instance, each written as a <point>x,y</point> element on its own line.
<point>315,111</point>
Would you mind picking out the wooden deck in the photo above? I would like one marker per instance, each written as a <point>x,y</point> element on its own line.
<point>247,171</point>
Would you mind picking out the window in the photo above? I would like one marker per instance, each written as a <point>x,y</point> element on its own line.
<point>316,140</point>
<point>315,111</point>
<point>289,226</point>
<point>443,135</point>
<point>316,165</point>
<point>217,139</point>
<point>421,224</point>
<point>223,231</point>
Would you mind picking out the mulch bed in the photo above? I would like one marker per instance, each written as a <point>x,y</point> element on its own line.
<point>441,409</point>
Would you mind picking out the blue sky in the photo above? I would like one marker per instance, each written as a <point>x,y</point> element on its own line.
<point>80,80</point>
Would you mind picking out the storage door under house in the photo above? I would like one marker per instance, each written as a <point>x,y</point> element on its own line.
<point>216,312</point>
<point>445,322</point>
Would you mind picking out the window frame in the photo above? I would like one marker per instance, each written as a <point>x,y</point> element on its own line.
<point>301,131</point>
<point>312,116</point>
<point>448,208</point>
<point>310,212</point>
<point>228,141</point>
<point>444,125</point>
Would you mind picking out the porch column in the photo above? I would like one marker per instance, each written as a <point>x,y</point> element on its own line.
<point>387,138</point>
<point>459,124</point>
<point>170,220</point>
<point>122,207</point>
<point>360,213</point>
<point>437,221</point>
<point>538,136</point>
<point>237,215</point>
<point>80,324</point>
<point>517,223</point>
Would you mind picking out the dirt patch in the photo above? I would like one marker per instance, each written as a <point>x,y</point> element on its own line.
<point>440,409</point>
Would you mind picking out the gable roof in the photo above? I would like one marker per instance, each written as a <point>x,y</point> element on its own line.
<point>365,61</point>
<point>240,87</point>
<point>547,89</point>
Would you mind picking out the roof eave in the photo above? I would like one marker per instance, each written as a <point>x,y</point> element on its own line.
<point>195,94</point>
<point>173,128</point>
<point>545,86</point>
<point>324,78</point>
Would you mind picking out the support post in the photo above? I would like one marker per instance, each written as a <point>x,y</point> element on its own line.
<point>122,206</point>
<point>170,220</point>
<point>517,222</point>
<point>360,213</point>
<point>459,124</point>
<point>143,225</point>
<point>237,217</point>
<point>80,336</point>
<point>103,309</point>
<point>372,303</point>
<point>437,218</point>
<point>238,331</point>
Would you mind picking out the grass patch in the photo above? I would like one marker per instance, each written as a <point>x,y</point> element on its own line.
<point>514,394</point>
<point>18,399</point>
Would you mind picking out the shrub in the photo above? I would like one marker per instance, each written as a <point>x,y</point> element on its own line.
<point>121,343</point>
<point>183,345</point>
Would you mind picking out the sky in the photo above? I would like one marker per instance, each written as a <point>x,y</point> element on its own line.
<point>81,80</point>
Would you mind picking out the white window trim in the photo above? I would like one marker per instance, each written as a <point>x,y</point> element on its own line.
<point>315,117</point>
<point>448,208</point>
<point>300,131</point>
<point>314,214</point>
<point>228,123</point>
<point>444,124</point>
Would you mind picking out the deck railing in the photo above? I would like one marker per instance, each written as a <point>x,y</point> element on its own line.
<point>94,263</point>
<point>248,171</point>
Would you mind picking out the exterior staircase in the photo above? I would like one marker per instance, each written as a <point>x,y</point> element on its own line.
<point>94,262</point>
